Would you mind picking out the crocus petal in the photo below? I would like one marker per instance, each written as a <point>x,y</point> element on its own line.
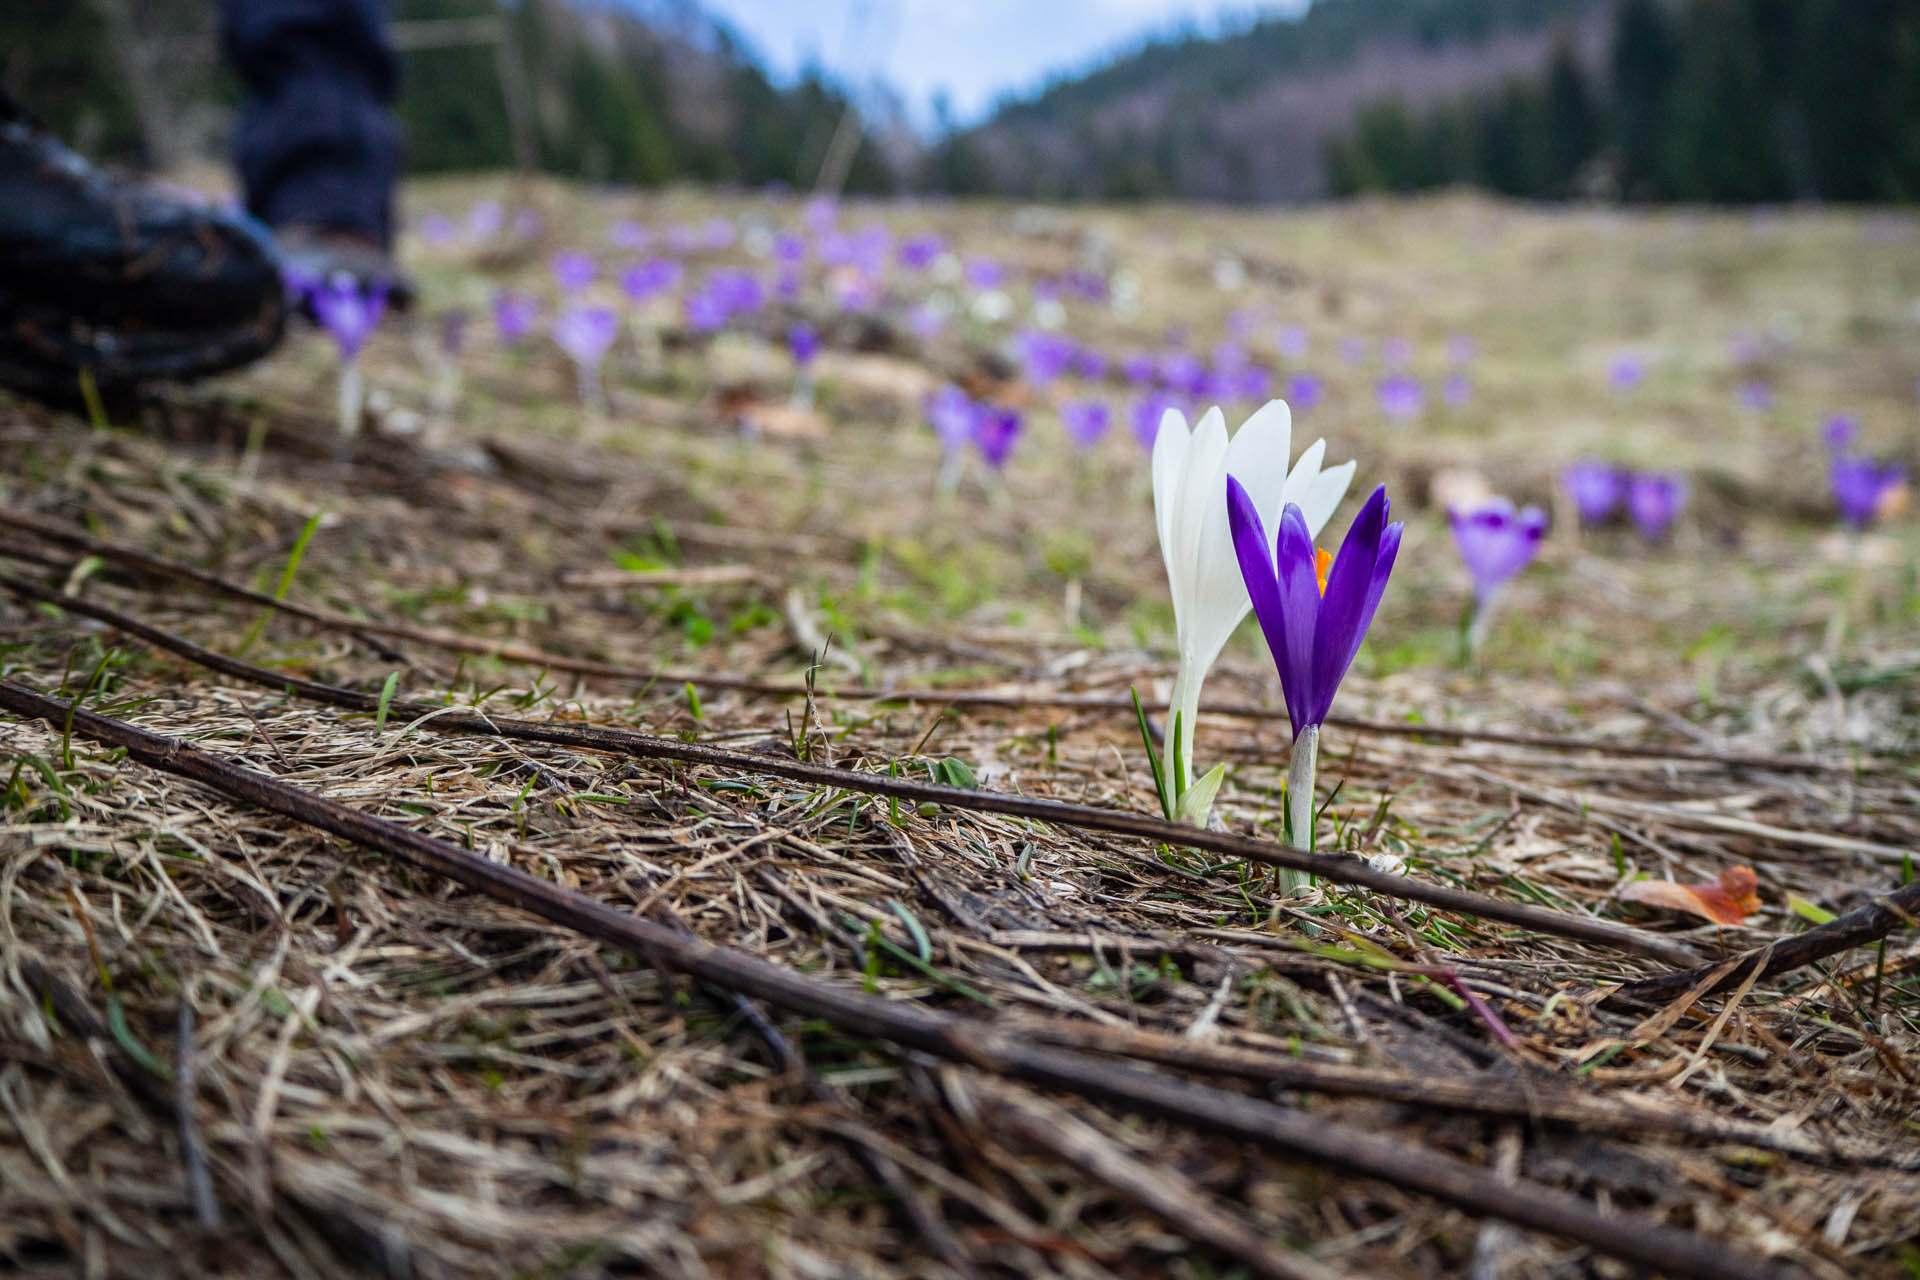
<point>1301,620</point>
<point>1169,462</point>
<point>1196,489</point>
<point>1256,565</point>
<point>1314,491</point>
<point>1217,598</point>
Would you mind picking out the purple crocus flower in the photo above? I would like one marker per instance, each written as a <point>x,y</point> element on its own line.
<point>995,429</point>
<point>573,270</point>
<point>1655,500</point>
<point>1841,431</point>
<point>585,333</point>
<point>436,229</point>
<point>718,233</point>
<point>1043,356</point>
<point>1253,384</point>
<point>1627,371</point>
<point>1182,371</point>
<point>706,311</point>
<point>917,253</point>
<point>1460,349</point>
<point>1089,364</point>
<point>1756,395</point>
<point>1146,416</point>
<point>1313,633</point>
<point>804,343</point>
<point>629,235</point>
<point>1395,352</point>
<point>1860,485</point>
<point>1304,391</point>
<point>484,219</point>
<point>820,213</point>
<point>644,279</point>
<point>1456,390</point>
<point>1140,369</point>
<point>1596,489</point>
<point>1086,422</point>
<point>790,248</point>
<point>926,321</point>
<point>514,315</point>
<point>1401,396</point>
<point>950,413</point>
<point>348,312</point>
<point>985,273</point>
<point>1496,540</point>
<point>1292,342</point>
<point>1353,350</point>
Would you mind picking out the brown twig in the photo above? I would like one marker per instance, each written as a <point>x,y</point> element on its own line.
<point>998,1107</point>
<point>1864,924</point>
<point>507,652</point>
<point>1336,868</point>
<point>940,1034</point>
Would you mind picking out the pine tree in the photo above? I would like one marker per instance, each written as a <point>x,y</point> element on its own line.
<point>1642,70</point>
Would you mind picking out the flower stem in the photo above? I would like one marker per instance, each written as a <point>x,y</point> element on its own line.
<point>1184,702</point>
<point>1306,751</point>
<point>352,399</point>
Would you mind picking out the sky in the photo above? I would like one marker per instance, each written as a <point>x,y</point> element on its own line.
<point>972,50</point>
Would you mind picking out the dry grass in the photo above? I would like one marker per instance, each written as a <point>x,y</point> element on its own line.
<point>392,1074</point>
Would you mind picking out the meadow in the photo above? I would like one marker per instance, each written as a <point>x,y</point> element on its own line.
<point>735,653</point>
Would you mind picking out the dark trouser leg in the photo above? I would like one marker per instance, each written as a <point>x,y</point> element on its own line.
<point>317,144</point>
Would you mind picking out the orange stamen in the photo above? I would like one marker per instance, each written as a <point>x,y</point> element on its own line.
<point>1321,563</point>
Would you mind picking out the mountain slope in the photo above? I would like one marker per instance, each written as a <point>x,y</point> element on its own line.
<point>1247,116</point>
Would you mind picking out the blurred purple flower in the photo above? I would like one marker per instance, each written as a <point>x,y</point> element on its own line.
<point>682,239</point>
<point>820,213</point>
<point>1456,390</point>
<point>1655,500</point>
<point>1756,395</point>
<point>1253,383</point>
<point>1861,485</point>
<point>1353,350</point>
<point>790,248</point>
<point>1146,416</point>
<point>573,270</point>
<point>484,220</point>
<point>1140,369</point>
<point>718,233</point>
<point>1841,431</point>
<point>585,333</point>
<point>1184,373</point>
<point>1627,371</point>
<point>1043,356</point>
<point>804,343</point>
<point>995,430</point>
<point>1596,488</point>
<point>453,331</point>
<point>436,229</point>
<point>926,321</point>
<point>706,311</point>
<point>1089,364</point>
<point>1496,540</point>
<point>985,273</point>
<point>527,224</point>
<point>1460,349</point>
<point>1292,342</point>
<point>514,315</point>
<point>739,292</point>
<point>1304,391</point>
<point>644,279</point>
<point>950,414</point>
<point>1401,396</point>
<point>917,253</point>
<point>348,312</point>
<point>1395,352</point>
<point>629,235</point>
<point>1086,421</point>
<point>786,284</point>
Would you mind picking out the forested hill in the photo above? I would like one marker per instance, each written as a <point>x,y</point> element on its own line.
<point>1248,115</point>
<point>1695,100</point>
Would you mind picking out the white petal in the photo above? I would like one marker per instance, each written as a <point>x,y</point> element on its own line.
<point>1323,495</point>
<point>1257,458</point>
<point>1200,477</point>
<point>1169,462</point>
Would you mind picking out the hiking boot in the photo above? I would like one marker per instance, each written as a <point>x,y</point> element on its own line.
<point>135,284</point>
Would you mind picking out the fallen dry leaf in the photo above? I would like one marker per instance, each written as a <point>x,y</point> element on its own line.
<point>1728,900</point>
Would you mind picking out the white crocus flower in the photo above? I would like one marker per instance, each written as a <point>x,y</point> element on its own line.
<point>1190,471</point>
